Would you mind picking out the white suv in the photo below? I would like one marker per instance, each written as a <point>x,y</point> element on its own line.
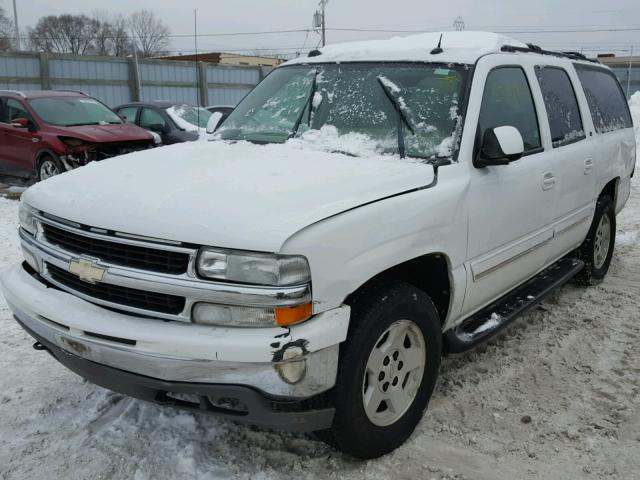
<point>361,211</point>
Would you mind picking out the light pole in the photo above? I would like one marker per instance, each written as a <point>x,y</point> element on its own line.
<point>15,25</point>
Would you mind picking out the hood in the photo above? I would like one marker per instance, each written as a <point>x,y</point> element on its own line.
<point>240,195</point>
<point>125,132</point>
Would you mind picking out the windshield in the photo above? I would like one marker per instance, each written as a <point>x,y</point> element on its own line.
<point>396,107</point>
<point>73,111</point>
<point>188,117</point>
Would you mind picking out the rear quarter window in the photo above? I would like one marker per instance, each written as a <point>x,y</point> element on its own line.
<point>561,104</point>
<point>607,103</point>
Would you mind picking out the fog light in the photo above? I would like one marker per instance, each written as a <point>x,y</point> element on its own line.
<point>294,366</point>
<point>30,259</point>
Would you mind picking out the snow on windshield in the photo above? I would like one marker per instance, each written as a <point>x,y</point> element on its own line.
<point>359,102</point>
<point>187,117</point>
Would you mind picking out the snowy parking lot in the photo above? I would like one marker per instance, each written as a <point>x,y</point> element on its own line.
<point>557,396</point>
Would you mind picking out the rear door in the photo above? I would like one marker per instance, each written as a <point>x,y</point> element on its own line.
<point>572,155</point>
<point>509,230</point>
<point>613,135</point>
<point>19,144</point>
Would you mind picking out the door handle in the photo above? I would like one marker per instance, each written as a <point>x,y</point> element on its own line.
<point>588,166</point>
<point>548,180</point>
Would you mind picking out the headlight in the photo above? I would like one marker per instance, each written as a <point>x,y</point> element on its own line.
<point>253,268</point>
<point>71,141</point>
<point>27,220</point>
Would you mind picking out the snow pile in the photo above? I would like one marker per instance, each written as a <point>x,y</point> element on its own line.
<point>328,139</point>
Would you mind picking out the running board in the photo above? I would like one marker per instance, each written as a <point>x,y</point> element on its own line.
<point>490,320</point>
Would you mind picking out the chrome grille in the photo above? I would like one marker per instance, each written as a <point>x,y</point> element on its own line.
<point>131,297</point>
<point>144,258</point>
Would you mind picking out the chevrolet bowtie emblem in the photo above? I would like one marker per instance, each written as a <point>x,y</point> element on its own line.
<point>86,270</point>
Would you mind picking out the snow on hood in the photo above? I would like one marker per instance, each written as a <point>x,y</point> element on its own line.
<point>459,47</point>
<point>240,195</point>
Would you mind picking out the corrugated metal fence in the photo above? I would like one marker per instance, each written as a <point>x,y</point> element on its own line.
<point>115,80</point>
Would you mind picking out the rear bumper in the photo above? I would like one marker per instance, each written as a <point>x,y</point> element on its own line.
<point>235,402</point>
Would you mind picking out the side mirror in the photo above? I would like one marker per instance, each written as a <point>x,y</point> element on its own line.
<point>500,146</point>
<point>21,123</point>
<point>214,120</point>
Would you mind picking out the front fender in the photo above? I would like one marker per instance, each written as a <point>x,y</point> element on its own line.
<point>347,250</point>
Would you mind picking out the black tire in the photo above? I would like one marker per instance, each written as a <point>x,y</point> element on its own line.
<point>373,313</point>
<point>48,160</point>
<point>594,271</point>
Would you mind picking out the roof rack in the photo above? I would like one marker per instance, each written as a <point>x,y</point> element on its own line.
<point>531,48</point>
<point>71,91</point>
<point>13,92</point>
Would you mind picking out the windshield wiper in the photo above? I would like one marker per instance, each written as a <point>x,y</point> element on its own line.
<point>82,124</point>
<point>309,102</point>
<point>402,116</point>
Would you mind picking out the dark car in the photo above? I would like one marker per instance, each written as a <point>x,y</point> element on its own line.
<point>44,133</point>
<point>173,122</point>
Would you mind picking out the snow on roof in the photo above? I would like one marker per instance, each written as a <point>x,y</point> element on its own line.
<point>458,47</point>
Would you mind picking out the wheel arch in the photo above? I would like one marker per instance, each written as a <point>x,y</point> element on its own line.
<point>430,273</point>
<point>611,189</point>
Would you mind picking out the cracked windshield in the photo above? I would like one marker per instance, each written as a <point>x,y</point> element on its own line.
<point>410,110</point>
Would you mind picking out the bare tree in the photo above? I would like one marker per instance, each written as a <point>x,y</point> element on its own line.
<point>103,33</point>
<point>64,34</point>
<point>6,31</point>
<point>122,44</point>
<point>111,37</point>
<point>151,35</point>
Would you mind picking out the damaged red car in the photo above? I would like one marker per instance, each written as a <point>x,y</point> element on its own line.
<point>44,133</point>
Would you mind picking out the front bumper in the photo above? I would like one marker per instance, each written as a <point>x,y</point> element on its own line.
<point>178,352</point>
<point>235,402</point>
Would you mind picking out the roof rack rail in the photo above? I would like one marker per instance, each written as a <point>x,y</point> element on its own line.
<point>71,91</point>
<point>13,92</point>
<point>531,48</point>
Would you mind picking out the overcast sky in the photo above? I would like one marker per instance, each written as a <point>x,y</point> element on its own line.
<point>216,17</point>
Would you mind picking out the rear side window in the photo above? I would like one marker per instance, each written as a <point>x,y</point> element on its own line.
<point>507,101</point>
<point>607,103</point>
<point>561,104</point>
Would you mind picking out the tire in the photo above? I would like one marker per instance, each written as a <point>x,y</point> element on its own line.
<point>48,167</point>
<point>378,314</point>
<point>600,239</point>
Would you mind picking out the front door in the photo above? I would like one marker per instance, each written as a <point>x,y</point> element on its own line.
<point>19,144</point>
<point>510,206</point>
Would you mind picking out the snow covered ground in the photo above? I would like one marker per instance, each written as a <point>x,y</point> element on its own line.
<point>557,397</point>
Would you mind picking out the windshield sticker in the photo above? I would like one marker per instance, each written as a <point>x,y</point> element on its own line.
<point>87,100</point>
<point>442,72</point>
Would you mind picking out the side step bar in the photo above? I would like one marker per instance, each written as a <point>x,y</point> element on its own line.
<point>487,322</point>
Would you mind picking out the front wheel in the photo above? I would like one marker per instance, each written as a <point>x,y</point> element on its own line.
<point>49,167</point>
<point>387,371</point>
<point>597,249</point>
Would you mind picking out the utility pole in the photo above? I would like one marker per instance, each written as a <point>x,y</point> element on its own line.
<point>15,25</point>
<point>323,3</point>
<point>319,21</point>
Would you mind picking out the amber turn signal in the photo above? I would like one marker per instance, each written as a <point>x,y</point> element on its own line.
<point>291,315</point>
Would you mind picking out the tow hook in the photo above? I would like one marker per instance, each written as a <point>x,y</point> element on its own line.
<point>38,346</point>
